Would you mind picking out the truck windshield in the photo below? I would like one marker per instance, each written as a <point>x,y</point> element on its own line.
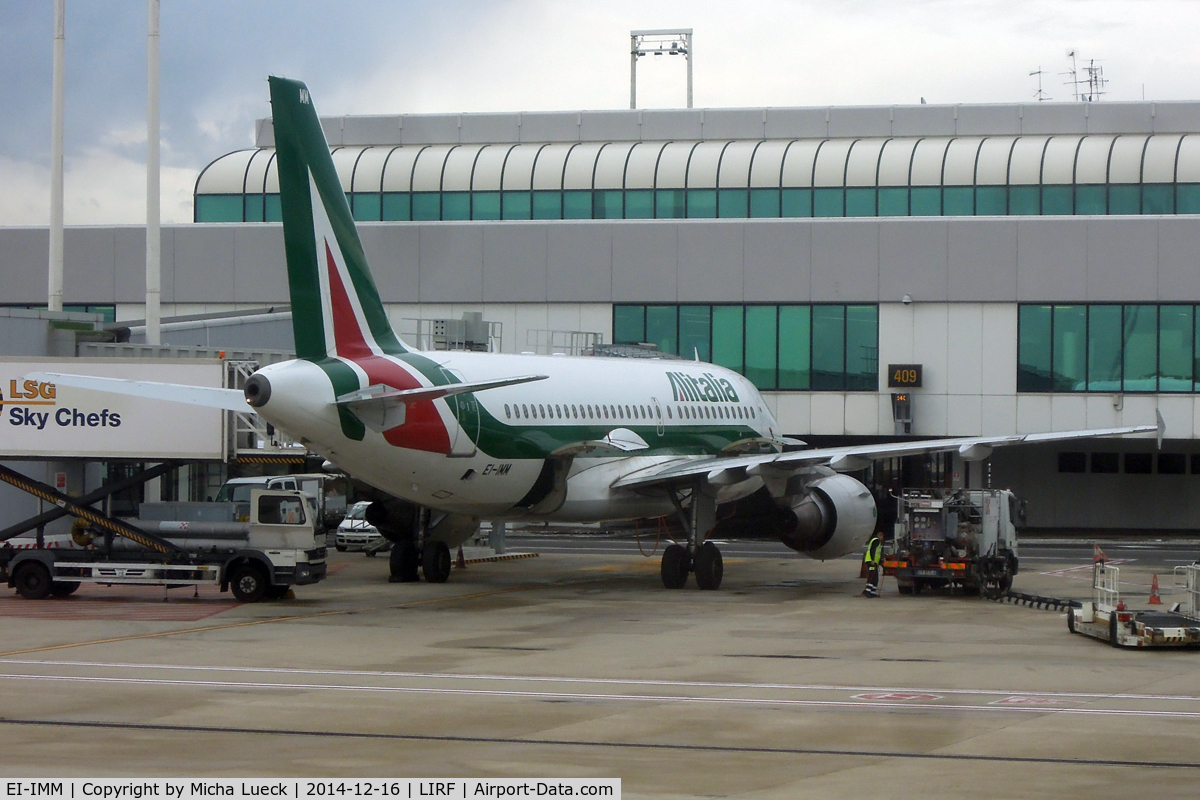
<point>235,492</point>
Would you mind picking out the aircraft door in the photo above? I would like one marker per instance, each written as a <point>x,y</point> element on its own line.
<point>658,415</point>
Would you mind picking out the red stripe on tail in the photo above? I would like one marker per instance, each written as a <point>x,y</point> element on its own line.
<point>423,428</point>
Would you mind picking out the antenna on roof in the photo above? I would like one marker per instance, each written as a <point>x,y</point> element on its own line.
<point>1040,95</point>
<point>1094,82</point>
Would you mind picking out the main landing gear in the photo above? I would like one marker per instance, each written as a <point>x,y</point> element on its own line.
<point>701,558</point>
<point>431,560</point>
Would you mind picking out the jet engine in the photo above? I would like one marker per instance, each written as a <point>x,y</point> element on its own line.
<point>834,517</point>
<point>394,519</point>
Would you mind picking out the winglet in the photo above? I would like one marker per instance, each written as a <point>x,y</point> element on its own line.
<point>1162,427</point>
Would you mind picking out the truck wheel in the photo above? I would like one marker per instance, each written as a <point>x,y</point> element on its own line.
<point>1112,630</point>
<point>32,579</point>
<point>1071,619</point>
<point>63,588</point>
<point>435,562</point>
<point>341,548</point>
<point>906,588</point>
<point>248,583</point>
<point>277,592</point>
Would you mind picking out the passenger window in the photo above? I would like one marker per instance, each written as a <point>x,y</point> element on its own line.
<point>507,414</point>
<point>620,413</point>
<point>280,511</point>
<point>541,411</point>
<point>627,414</point>
<point>605,411</point>
<point>669,413</point>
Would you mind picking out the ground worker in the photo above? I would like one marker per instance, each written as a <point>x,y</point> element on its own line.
<point>871,560</point>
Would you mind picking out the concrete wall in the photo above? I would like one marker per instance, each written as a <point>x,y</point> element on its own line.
<point>1120,502</point>
<point>957,260</point>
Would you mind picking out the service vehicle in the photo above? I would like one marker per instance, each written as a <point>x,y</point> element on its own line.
<point>322,490</point>
<point>256,549</point>
<point>964,539</point>
<point>356,533</point>
<point>1107,618</point>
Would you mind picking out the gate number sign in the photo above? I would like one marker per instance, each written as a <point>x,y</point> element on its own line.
<point>904,376</point>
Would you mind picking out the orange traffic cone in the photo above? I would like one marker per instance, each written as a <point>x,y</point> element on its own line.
<point>460,562</point>
<point>1098,554</point>
<point>1155,599</point>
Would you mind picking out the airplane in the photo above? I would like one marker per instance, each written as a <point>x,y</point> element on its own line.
<point>456,437</point>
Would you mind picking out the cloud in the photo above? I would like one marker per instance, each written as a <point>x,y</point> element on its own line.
<point>100,187</point>
<point>404,56</point>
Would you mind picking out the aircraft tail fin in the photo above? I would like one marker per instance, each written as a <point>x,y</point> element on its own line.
<point>336,309</point>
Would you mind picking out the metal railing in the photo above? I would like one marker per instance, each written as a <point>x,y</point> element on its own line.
<point>1106,582</point>
<point>472,332</point>
<point>569,343</point>
<point>1187,583</point>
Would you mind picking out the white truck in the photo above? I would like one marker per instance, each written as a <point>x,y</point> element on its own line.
<point>324,491</point>
<point>257,549</point>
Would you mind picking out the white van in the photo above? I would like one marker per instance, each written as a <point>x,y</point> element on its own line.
<point>355,533</point>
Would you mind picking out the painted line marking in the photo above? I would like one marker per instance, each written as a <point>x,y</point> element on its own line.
<point>583,696</point>
<point>906,696</point>
<point>1018,700</point>
<point>451,676</point>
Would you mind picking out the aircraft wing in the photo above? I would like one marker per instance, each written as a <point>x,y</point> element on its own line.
<point>207,396</point>
<point>727,470</point>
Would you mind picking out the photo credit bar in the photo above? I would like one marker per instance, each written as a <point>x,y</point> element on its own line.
<point>304,789</point>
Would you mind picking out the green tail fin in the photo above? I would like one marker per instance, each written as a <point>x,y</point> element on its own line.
<point>336,310</point>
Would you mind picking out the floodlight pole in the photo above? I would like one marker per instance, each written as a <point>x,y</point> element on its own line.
<point>655,41</point>
<point>153,235</point>
<point>55,299</point>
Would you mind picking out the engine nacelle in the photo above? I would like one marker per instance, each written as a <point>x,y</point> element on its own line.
<point>394,519</point>
<point>835,517</point>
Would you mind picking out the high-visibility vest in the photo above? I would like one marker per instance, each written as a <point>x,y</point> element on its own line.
<point>871,556</point>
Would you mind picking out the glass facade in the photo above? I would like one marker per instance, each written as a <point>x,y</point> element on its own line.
<point>1107,348</point>
<point>799,347</point>
<point>887,201</point>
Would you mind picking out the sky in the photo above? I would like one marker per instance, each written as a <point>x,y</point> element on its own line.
<point>398,56</point>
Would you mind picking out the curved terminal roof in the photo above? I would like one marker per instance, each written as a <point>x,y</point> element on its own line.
<point>1094,159</point>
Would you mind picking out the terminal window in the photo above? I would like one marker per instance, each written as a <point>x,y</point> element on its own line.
<point>1107,348</point>
<point>1072,462</point>
<point>802,347</point>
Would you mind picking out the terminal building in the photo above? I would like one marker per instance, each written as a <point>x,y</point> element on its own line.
<point>878,272</point>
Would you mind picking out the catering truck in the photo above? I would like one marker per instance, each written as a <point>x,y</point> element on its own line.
<point>257,549</point>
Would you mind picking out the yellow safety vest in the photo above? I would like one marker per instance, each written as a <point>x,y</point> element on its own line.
<point>874,547</point>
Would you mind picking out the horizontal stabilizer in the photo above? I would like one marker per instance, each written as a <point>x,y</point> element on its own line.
<point>207,396</point>
<point>381,392</point>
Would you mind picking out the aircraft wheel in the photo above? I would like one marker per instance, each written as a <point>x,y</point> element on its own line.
<point>403,563</point>
<point>32,580</point>
<point>708,566</point>
<point>674,566</point>
<point>435,562</point>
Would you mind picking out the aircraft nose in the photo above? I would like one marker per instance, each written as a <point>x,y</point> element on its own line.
<point>257,390</point>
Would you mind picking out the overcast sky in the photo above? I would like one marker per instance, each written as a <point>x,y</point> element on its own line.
<point>396,56</point>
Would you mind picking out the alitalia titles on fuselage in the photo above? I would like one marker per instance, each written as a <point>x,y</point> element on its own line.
<point>708,388</point>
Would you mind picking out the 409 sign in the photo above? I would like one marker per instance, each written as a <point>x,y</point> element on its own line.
<point>904,376</point>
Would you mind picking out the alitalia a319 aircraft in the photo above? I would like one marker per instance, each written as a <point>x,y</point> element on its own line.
<point>456,437</point>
